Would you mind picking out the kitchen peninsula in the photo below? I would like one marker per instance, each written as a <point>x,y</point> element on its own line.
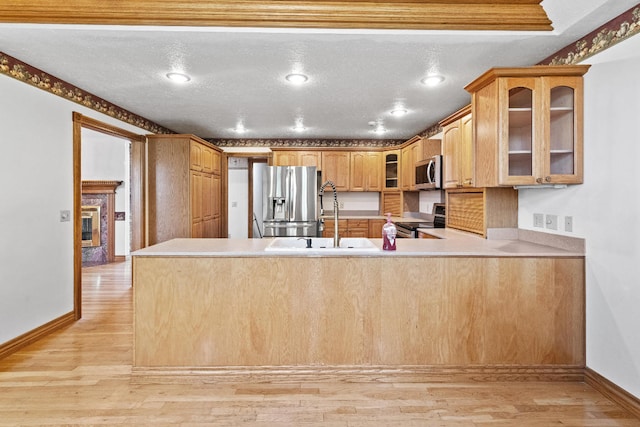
<point>458,302</point>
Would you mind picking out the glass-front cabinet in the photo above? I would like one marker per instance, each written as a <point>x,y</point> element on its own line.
<point>392,170</point>
<point>528,125</point>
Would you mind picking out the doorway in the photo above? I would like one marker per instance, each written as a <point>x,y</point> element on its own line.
<point>136,190</point>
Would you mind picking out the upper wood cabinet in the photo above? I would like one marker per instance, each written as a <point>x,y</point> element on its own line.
<point>458,149</point>
<point>297,158</point>
<point>335,168</point>
<point>411,153</point>
<point>365,172</point>
<point>392,171</point>
<point>528,125</point>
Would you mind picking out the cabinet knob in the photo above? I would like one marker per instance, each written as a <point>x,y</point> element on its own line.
<point>539,180</point>
<point>547,179</point>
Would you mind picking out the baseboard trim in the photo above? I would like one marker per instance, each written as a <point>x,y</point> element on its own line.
<point>417,374</point>
<point>119,258</point>
<point>613,392</point>
<point>34,335</point>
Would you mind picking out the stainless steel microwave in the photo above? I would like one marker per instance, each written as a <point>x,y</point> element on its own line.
<point>429,174</point>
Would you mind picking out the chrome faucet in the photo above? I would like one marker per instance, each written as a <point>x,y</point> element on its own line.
<point>336,238</point>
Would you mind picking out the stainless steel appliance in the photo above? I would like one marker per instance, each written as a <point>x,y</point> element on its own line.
<point>409,230</point>
<point>290,201</point>
<point>429,174</point>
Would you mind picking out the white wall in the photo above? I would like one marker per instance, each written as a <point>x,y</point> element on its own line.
<point>36,168</point>
<point>606,212</point>
<point>106,158</point>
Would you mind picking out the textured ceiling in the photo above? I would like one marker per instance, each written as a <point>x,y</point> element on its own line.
<point>356,77</point>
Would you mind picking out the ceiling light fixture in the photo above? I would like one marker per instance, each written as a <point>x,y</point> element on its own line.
<point>299,127</point>
<point>379,129</point>
<point>296,78</point>
<point>432,81</point>
<point>178,77</point>
<point>399,112</point>
<point>240,128</point>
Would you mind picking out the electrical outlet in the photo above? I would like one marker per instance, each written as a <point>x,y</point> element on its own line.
<point>538,220</point>
<point>552,222</point>
<point>568,224</point>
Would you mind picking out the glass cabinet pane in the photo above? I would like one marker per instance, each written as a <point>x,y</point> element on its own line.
<point>520,131</point>
<point>391,170</point>
<point>562,134</point>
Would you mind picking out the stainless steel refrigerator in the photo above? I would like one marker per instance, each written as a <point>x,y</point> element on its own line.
<point>290,196</point>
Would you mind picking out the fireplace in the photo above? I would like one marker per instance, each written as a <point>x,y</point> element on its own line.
<point>90,226</point>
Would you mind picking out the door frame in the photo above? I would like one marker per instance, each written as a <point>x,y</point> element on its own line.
<point>137,188</point>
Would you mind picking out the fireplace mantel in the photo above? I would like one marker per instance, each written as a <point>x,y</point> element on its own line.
<point>108,189</point>
<point>100,187</point>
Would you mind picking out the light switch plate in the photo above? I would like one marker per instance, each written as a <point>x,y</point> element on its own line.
<point>552,222</point>
<point>538,220</point>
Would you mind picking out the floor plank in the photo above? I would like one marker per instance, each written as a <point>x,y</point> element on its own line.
<point>82,376</point>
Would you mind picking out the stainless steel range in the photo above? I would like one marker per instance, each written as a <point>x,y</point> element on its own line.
<point>409,230</point>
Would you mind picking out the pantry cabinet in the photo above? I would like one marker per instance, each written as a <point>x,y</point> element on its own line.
<point>458,149</point>
<point>185,191</point>
<point>528,125</point>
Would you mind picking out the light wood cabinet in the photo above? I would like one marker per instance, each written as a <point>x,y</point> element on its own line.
<point>392,171</point>
<point>329,228</point>
<point>458,149</point>
<point>375,228</point>
<point>365,172</point>
<point>411,153</point>
<point>358,228</point>
<point>184,177</point>
<point>392,202</point>
<point>297,158</point>
<point>529,125</point>
<point>335,168</point>
<point>478,209</point>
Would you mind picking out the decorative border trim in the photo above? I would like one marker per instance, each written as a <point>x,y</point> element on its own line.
<point>613,392</point>
<point>620,28</point>
<point>305,143</point>
<point>36,334</point>
<point>19,70</point>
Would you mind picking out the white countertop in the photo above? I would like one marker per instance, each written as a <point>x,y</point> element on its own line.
<point>450,243</point>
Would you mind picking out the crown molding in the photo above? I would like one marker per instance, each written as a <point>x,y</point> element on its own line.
<point>508,15</point>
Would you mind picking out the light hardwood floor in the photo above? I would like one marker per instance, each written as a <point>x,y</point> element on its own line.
<point>82,376</point>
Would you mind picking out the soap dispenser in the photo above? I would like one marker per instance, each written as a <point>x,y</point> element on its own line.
<point>389,232</point>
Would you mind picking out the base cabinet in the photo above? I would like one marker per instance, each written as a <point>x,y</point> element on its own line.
<point>184,177</point>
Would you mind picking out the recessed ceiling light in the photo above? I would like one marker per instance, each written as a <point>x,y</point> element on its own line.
<point>240,128</point>
<point>431,81</point>
<point>296,78</point>
<point>178,77</point>
<point>299,127</point>
<point>379,129</point>
<point>398,112</point>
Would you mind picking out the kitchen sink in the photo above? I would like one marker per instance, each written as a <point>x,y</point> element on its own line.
<point>321,245</point>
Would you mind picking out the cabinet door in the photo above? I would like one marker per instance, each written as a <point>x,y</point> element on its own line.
<point>207,159</point>
<point>207,196</point>
<point>562,156</point>
<point>335,168</point>
<point>357,172</point>
<point>310,158</point>
<point>196,196</point>
<point>329,228</point>
<point>519,103</point>
<point>285,158</point>
<point>465,152</point>
<point>391,170</point>
<point>195,150</point>
<point>216,196</point>
<point>375,228</point>
<point>450,149</point>
<point>373,171</point>
<point>407,180</point>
